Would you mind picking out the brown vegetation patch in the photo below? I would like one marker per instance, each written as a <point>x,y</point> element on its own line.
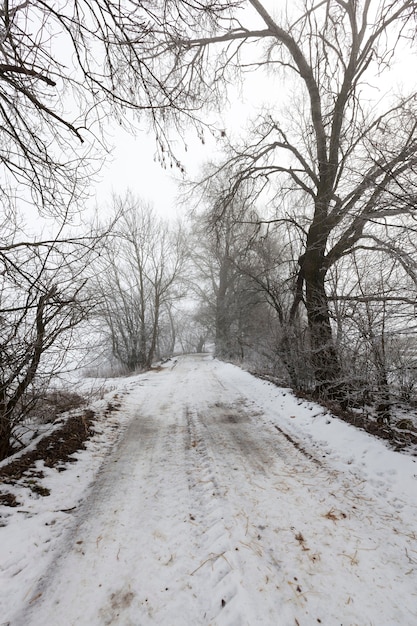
<point>8,499</point>
<point>335,515</point>
<point>112,407</point>
<point>54,449</point>
<point>53,403</point>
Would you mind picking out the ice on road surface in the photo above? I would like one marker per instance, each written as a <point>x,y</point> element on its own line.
<point>215,509</point>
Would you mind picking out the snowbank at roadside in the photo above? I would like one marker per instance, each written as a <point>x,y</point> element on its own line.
<point>384,471</point>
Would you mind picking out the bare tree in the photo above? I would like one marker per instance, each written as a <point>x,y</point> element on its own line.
<point>42,300</point>
<point>352,166</point>
<point>219,244</point>
<point>137,280</point>
<point>64,68</point>
<point>195,329</point>
<point>373,305</point>
<point>340,169</point>
<point>269,264</point>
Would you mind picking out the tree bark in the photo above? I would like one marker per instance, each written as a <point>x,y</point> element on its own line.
<point>324,356</point>
<point>155,329</point>
<point>5,434</point>
<point>223,340</point>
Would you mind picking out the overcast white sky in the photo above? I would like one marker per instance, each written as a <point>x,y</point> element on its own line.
<point>132,166</point>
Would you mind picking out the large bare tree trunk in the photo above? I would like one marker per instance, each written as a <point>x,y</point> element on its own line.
<point>5,434</point>
<point>324,356</point>
<point>223,339</point>
<point>155,331</point>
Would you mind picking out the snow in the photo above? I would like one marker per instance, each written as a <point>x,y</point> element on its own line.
<point>193,506</point>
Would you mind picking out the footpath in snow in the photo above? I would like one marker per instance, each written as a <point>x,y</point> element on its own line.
<point>226,501</point>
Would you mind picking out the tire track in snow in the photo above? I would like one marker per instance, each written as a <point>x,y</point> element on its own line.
<point>225,601</point>
<point>254,463</point>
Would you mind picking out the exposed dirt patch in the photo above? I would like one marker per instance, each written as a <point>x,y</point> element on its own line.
<point>228,414</point>
<point>230,427</point>
<point>118,602</point>
<point>55,450</point>
<point>234,418</point>
<point>8,499</point>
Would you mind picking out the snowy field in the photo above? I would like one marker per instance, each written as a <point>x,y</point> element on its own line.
<point>214,498</point>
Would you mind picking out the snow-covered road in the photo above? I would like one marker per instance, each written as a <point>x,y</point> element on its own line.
<point>207,514</point>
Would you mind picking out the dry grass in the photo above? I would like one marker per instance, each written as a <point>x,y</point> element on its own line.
<point>335,515</point>
<point>48,406</point>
